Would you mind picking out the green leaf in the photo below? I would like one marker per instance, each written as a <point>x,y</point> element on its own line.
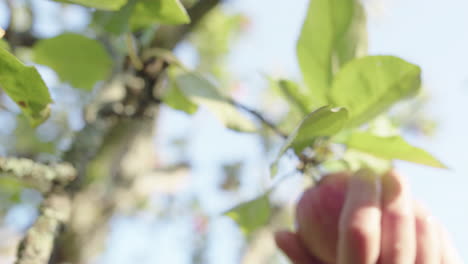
<point>176,99</point>
<point>251,215</point>
<point>98,4</point>
<point>4,45</point>
<point>202,92</point>
<point>149,12</point>
<point>325,121</point>
<point>328,25</point>
<point>369,86</point>
<point>295,95</point>
<point>11,188</point>
<point>115,22</point>
<point>27,141</point>
<point>24,85</point>
<point>353,43</point>
<point>393,147</point>
<point>79,60</point>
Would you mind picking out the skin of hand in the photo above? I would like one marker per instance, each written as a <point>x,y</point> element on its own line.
<point>364,219</point>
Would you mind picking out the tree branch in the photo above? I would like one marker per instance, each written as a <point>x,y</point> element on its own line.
<point>14,38</point>
<point>40,176</point>
<point>37,246</point>
<point>92,139</point>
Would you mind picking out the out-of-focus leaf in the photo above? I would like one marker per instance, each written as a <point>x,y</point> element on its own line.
<point>231,179</point>
<point>10,188</point>
<point>79,60</point>
<point>327,26</point>
<point>27,142</point>
<point>149,12</point>
<point>115,22</point>
<point>325,121</point>
<point>98,4</point>
<point>25,86</point>
<point>202,92</point>
<point>176,99</point>
<point>220,29</point>
<point>370,85</point>
<point>276,96</point>
<point>357,160</point>
<point>296,97</point>
<point>393,147</point>
<point>353,43</point>
<point>251,215</point>
<point>4,45</point>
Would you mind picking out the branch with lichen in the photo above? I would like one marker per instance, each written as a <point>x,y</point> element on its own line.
<point>36,175</point>
<point>38,244</point>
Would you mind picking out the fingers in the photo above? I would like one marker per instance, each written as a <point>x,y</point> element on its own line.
<point>398,236</point>
<point>359,225</point>
<point>364,219</point>
<point>292,246</point>
<point>318,213</point>
<point>427,244</point>
<point>449,253</point>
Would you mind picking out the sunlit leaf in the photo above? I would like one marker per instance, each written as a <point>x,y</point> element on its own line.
<point>353,43</point>
<point>370,85</point>
<point>392,147</point>
<point>251,215</point>
<point>25,86</point>
<point>325,121</point>
<point>98,4</point>
<point>201,91</point>
<point>149,12</point>
<point>328,24</point>
<point>79,60</point>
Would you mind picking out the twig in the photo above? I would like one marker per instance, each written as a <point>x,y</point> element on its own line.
<point>260,117</point>
<point>39,176</point>
<point>14,38</point>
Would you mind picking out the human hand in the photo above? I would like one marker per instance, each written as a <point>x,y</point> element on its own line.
<point>364,219</point>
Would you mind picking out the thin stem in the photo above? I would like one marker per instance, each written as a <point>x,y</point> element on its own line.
<point>132,52</point>
<point>260,117</point>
